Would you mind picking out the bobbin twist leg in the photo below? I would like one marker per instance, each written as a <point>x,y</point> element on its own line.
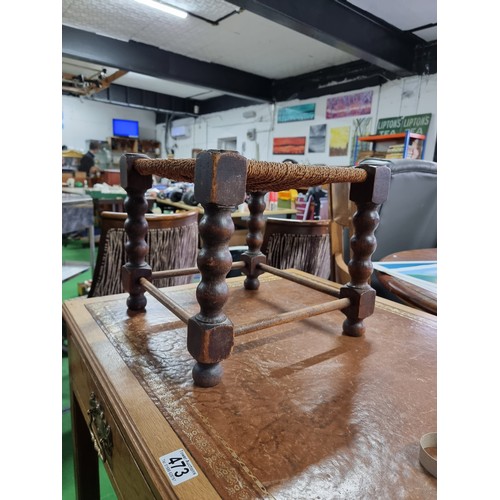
<point>367,196</point>
<point>220,181</point>
<point>253,256</point>
<point>136,228</point>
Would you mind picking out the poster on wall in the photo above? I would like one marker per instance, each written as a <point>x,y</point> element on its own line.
<point>339,141</point>
<point>289,145</point>
<point>419,124</point>
<point>360,128</point>
<point>317,139</point>
<point>349,105</point>
<point>297,113</point>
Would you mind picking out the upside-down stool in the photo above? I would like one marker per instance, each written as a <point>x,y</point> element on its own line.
<point>221,181</point>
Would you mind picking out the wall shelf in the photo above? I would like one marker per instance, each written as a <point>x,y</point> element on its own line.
<point>121,145</point>
<point>401,145</point>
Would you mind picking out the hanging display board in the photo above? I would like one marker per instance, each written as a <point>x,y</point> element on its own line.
<point>419,124</point>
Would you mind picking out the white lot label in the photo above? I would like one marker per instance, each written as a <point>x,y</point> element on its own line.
<point>178,467</point>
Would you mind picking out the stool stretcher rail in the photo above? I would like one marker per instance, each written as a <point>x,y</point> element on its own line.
<point>172,273</point>
<point>172,306</point>
<point>300,280</point>
<point>288,317</point>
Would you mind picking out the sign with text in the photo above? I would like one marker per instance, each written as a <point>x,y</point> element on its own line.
<point>419,124</point>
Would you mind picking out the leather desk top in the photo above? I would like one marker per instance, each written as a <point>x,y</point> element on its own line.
<point>301,412</point>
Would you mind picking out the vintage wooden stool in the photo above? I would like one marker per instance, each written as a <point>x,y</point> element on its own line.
<point>222,179</point>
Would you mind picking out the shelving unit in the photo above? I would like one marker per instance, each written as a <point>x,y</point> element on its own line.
<point>121,145</point>
<point>400,145</point>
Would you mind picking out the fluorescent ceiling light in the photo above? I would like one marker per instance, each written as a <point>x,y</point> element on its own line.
<point>164,8</point>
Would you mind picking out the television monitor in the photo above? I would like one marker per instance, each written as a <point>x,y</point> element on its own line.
<point>125,128</point>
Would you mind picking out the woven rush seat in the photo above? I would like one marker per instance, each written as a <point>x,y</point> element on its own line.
<point>261,175</point>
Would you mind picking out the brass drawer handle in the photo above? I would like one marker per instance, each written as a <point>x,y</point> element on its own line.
<point>100,431</point>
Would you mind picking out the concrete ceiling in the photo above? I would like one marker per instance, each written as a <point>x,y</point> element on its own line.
<point>231,54</point>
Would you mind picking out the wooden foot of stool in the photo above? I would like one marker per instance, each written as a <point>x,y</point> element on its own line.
<point>207,375</point>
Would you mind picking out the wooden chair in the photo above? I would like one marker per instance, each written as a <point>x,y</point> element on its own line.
<point>298,244</point>
<point>172,241</point>
<point>408,218</point>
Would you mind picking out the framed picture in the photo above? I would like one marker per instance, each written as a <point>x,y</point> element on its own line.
<point>349,105</point>
<point>317,139</point>
<point>297,113</point>
<point>289,145</point>
<point>339,141</point>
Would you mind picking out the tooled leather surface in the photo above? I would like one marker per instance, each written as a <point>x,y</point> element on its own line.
<point>302,412</point>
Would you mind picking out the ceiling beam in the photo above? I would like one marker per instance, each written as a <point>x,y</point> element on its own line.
<point>148,60</point>
<point>345,27</point>
<point>145,99</point>
<point>326,81</point>
<point>223,103</point>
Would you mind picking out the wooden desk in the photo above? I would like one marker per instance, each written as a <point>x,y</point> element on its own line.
<point>410,294</point>
<point>302,411</point>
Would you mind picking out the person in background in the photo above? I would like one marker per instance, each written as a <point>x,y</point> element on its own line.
<point>64,161</point>
<point>87,163</point>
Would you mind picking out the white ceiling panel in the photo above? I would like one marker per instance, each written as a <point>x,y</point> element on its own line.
<point>243,41</point>
<point>251,43</point>
<point>404,15</point>
<point>213,10</point>
<point>227,35</point>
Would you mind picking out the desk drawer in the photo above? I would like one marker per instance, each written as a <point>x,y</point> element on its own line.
<point>113,450</point>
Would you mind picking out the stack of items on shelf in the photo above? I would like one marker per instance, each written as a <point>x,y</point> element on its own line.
<point>370,154</point>
<point>395,151</point>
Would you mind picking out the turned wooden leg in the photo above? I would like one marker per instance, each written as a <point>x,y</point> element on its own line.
<point>220,181</point>
<point>367,196</point>
<point>136,228</point>
<point>253,256</point>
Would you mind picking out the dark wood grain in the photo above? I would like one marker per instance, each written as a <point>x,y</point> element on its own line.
<point>254,256</point>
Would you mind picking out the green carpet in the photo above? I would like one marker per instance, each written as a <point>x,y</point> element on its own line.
<point>75,251</point>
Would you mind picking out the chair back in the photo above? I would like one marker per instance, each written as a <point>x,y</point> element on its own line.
<point>172,241</point>
<point>408,218</point>
<point>298,244</point>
